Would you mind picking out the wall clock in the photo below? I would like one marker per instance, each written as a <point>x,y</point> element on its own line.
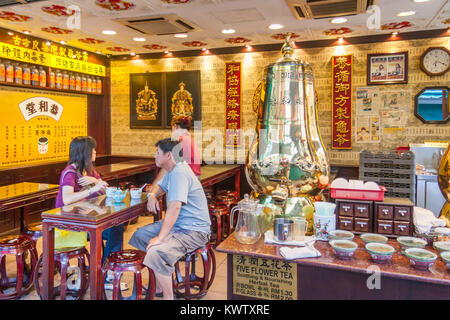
<point>435,61</point>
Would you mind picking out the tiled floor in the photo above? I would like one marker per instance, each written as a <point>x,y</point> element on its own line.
<point>218,290</point>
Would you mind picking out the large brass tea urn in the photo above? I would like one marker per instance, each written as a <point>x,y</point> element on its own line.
<point>287,161</point>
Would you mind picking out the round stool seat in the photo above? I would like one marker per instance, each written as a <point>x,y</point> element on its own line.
<point>128,260</point>
<point>61,258</point>
<point>20,246</point>
<point>229,200</point>
<point>221,213</point>
<point>235,194</point>
<point>183,287</point>
<point>34,231</point>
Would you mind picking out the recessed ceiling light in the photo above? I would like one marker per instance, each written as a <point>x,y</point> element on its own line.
<point>339,20</point>
<point>276,26</point>
<point>139,39</point>
<point>109,32</point>
<point>99,52</point>
<point>62,42</point>
<point>26,32</point>
<point>48,43</point>
<point>10,33</point>
<point>132,54</point>
<point>421,0</point>
<point>204,49</point>
<point>406,13</point>
<point>166,52</point>
<point>180,35</point>
<point>228,31</point>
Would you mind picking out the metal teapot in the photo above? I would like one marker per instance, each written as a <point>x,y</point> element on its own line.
<point>247,230</point>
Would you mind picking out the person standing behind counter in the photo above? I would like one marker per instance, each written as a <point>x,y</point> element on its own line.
<point>186,225</point>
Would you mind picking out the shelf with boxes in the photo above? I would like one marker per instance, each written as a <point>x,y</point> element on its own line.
<point>13,73</point>
<point>390,217</point>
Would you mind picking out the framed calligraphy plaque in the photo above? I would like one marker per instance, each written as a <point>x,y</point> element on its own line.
<point>342,102</point>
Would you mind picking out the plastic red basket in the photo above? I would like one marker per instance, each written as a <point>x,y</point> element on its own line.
<point>358,194</point>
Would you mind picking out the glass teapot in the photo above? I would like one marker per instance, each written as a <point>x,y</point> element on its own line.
<point>247,230</point>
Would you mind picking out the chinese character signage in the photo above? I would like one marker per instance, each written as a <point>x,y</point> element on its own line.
<point>28,49</point>
<point>264,278</point>
<point>233,76</point>
<point>39,127</point>
<point>342,102</point>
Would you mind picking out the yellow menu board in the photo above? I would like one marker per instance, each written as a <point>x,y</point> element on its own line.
<point>264,278</point>
<point>38,126</point>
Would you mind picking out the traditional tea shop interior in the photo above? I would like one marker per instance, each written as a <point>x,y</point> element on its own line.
<point>323,129</point>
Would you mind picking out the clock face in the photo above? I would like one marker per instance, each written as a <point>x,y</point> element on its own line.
<point>436,61</point>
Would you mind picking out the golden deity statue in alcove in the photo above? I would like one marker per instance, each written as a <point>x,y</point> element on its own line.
<point>146,104</point>
<point>182,102</point>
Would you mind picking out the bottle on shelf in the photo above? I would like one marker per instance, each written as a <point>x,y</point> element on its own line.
<point>72,81</point>
<point>42,77</point>
<point>99,85</point>
<point>88,84</point>
<point>58,79</point>
<point>17,74</point>
<point>65,81</point>
<point>26,74</point>
<point>34,76</point>
<point>78,82</point>
<point>2,71</point>
<point>94,85</point>
<point>83,83</point>
<point>52,79</point>
<point>9,72</point>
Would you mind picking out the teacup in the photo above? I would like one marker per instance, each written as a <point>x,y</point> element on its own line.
<point>300,228</point>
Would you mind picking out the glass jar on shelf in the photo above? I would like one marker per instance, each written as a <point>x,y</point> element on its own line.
<point>34,76</point>
<point>65,81</point>
<point>94,85</point>
<point>77,82</point>
<point>72,81</point>
<point>99,85</point>
<point>52,79</point>
<point>58,79</point>
<point>9,70</point>
<point>17,74</point>
<point>42,77</point>
<point>83,83</point>
<point>2,72</point>
<point>88,84</point>
<point>26,74</point>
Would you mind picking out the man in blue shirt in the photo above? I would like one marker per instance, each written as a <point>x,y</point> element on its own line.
<point>186,225</point>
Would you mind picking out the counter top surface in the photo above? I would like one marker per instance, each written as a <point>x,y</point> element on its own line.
<point>24,189</point>
<point>210,170</point>
<point>399,267</point>
<point>115,167</point>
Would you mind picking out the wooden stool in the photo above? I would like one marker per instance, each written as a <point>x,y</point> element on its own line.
<point>235,194</point>
<point>18,246</point>
<point>34,231</point>
<point>229,200</point>
<point>128,260</point>
<point>221,214</point>
<point>62,257</point>
<point>191,280</point>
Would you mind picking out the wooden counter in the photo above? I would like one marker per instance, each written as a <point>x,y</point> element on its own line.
<point>329,278</point>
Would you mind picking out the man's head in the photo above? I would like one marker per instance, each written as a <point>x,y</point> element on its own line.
<point>168,153</point>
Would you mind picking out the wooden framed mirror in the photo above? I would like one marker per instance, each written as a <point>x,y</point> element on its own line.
<point>431,105</point>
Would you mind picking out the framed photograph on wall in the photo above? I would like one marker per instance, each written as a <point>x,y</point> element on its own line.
<point>183,95</point>
<point>387,68</point>
<point>146,105</point>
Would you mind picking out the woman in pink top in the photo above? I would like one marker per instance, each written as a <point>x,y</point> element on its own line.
<point>80,181</point>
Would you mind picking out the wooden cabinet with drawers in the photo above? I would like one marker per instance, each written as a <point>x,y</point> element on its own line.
<point>354,215</point>
<point>394,216</point>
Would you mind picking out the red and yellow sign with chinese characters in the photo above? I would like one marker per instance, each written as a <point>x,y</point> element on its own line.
<point>233,76</point>
<point>29,49</point>
<point>342,102</point>
<point>39,126</point>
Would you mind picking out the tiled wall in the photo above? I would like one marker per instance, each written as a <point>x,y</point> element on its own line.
<point>142,141</point>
